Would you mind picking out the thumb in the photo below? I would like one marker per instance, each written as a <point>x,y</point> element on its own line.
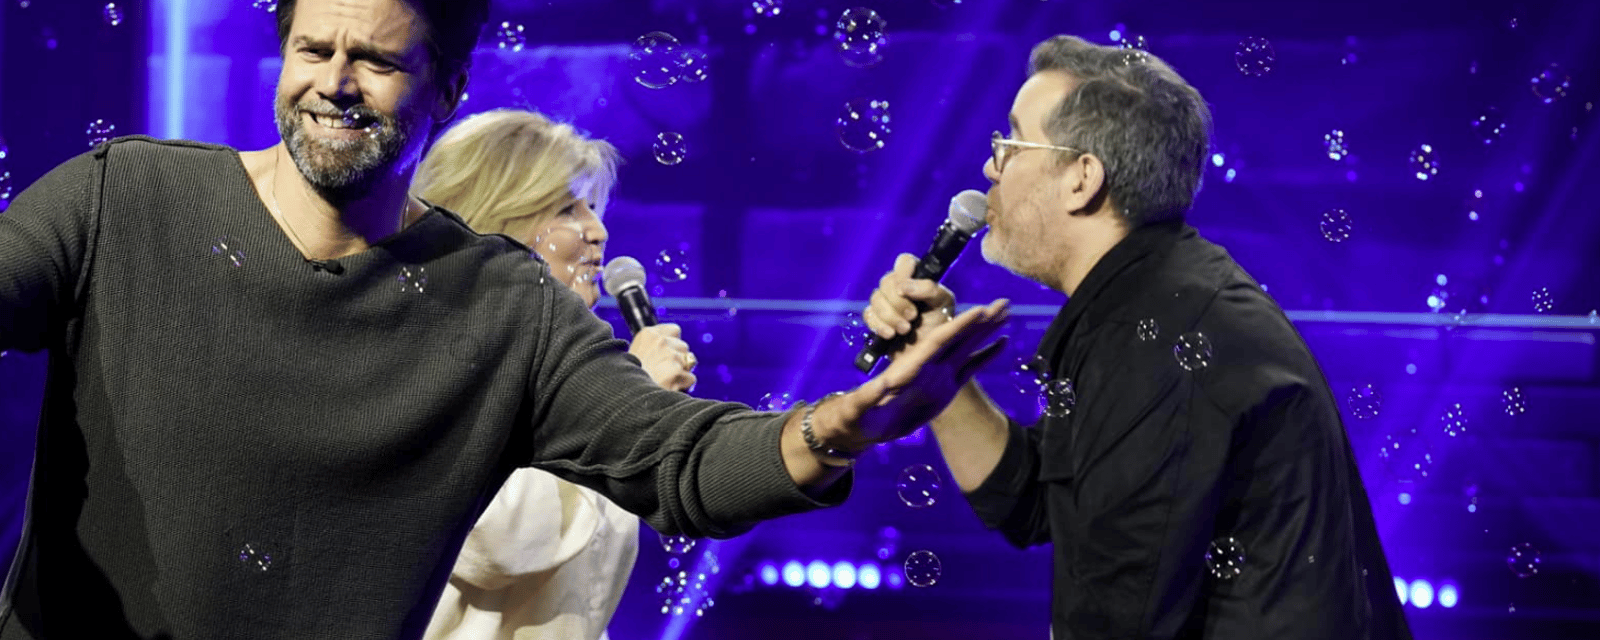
<point>858,400</point>
<point>904,264</point>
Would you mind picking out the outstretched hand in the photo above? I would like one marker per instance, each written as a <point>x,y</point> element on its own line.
<point>918,383</point>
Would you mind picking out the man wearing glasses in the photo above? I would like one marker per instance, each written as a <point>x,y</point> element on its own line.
<point>1190,466</point>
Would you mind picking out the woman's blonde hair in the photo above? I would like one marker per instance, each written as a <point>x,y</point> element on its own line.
<point>507,170</point>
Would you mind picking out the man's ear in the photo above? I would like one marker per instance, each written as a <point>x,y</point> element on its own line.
<point>1082,183</point>
<point>450,97</point>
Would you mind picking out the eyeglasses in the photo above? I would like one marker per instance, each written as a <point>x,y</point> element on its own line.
<point>1003,147</point>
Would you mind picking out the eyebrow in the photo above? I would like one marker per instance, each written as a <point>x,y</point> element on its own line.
<point>357,50</point>
<point>1012,118</point>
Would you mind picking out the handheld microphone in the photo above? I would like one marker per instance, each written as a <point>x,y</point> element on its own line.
<point>967,211</point>
<point>624,278</point>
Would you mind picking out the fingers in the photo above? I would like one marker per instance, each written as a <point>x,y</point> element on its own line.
<point>884,317</point>
<point>894,306</point>
<point>952,343</point>
<point>988,321</point>
<point>665,356</point>
<point>681,382</point>
<point>649,342</point>
<point>931,294</point>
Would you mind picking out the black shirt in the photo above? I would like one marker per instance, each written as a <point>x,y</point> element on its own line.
<point>1199,482</point>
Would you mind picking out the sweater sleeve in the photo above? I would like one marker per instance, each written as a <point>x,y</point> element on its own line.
<point>45,240</point>
<point>686,465</point>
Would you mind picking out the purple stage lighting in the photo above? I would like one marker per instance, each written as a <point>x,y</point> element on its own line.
<point>794,574</point>
<point>818,575</point>
<point>1421,594</point>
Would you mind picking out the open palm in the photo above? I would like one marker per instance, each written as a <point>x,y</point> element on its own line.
<point>924,377</point>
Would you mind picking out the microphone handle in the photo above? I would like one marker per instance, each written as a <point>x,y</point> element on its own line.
<point>636,308</point>
<point>947,246</point>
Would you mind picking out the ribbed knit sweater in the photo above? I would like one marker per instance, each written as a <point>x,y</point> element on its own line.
<point>236,445</point>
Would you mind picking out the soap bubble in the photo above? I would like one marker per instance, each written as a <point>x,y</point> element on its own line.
<point>654,60</point>
<point>510,37</point>
<point>863,125</point>
<point>1255,57</point>
<point>859,38</point>
<point>670,148</point>
<point>1550,84</point>
<point>1225,558</point>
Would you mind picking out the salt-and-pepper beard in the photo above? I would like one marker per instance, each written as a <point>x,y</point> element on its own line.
<point>344,169</point>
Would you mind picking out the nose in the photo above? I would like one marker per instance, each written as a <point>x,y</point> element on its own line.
<point>336,82</point>
<point>990,171</point>
<point>595,232</point>
<point>594,229</point>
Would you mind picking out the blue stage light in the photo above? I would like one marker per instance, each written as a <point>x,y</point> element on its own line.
<point>794,575</point>
<point>1449,595</point>
<point>869,577</point>
<point>769,574</point>
<point>1421,594</point>
<point>844,575</point>
<point>817,574</point>
<point>1400,588</point>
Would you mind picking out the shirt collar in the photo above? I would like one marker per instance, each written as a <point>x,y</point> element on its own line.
<point>1130,251</point>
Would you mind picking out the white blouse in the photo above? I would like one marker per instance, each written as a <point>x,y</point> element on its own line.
<point>524,574</point>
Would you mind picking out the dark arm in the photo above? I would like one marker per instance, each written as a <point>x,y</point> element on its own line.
<point>45,240</point>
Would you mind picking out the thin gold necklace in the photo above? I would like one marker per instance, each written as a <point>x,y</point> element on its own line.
<point>272,195</point>
<point>277,211</point>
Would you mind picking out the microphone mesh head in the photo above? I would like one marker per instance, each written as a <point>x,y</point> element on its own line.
<point>623,272</point>
<point>968,209</point>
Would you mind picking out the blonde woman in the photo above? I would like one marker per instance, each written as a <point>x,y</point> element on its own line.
<point>547,559</point>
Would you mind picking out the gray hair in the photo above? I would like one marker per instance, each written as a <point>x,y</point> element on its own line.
<point>1148,127</point>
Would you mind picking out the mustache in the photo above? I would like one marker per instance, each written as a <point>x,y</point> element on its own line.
<point>328,110</point>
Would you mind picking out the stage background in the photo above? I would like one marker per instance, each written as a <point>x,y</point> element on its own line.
<point>1439,249</point>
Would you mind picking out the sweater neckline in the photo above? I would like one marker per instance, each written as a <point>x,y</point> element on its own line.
<point>417,242</point>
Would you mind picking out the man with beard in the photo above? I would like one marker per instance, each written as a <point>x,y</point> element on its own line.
<point>281,389</point>
<point>1191,470</point>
